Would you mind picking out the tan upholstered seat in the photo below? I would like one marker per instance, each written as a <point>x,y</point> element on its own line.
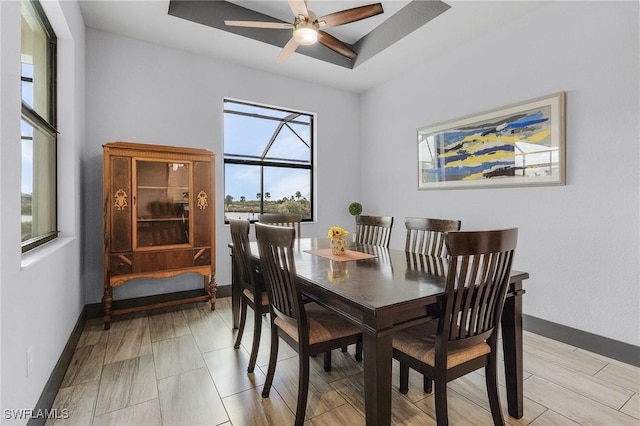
<point>323,325</point>
<point>420,342</point>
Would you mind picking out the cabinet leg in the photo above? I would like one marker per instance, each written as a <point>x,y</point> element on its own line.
<point>107,300</point>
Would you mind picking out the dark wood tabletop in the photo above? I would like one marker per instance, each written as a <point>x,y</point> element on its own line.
<point>390,291</point>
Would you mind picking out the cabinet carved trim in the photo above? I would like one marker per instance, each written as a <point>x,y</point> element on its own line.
<point>154,226</point>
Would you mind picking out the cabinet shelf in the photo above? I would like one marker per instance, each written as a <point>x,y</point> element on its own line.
<point>163,219</point>
<point>185,188</point>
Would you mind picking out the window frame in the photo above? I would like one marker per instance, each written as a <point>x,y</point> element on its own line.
<point>45,125</point>
<point>243,159</point>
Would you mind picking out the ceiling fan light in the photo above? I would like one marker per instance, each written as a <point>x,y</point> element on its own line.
<point>305,35</point>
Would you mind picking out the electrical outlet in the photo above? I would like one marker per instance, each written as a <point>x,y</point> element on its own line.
<point>29,361</point>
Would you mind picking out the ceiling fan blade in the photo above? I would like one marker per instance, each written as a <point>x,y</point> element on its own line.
<point>288,49</point>
<point>351,15</point>
<point>336,45</point>
<point>299,7</point>
<point>260,24</point>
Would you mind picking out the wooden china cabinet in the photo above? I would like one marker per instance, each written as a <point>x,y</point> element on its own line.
<point>158,219</point>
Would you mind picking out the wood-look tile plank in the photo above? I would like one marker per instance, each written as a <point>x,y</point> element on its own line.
<point>146,413</point>
<point>248,408</point>
<point>461,411</point>
<point>321,398</point>
<point>228,368</point>
<point>126,383</point>
<point>474,388</point>
<point>403,411</point>
<point>190,399</point>
<point>569,359</point>
<point>573,405</point>
<point>342,415</point>
<point>77,402</point>
<point>592,387</point>
<point>629,378</point>
<point>208,329</point>
<point>632,407</point>
<point>608,360</point>
<point>167,326</point>
<point>86,363</point>
<point>551,418</point>
<point>92,332</point>
<point>342,365</point>
<point>128,339</point>
<point>175,356</point>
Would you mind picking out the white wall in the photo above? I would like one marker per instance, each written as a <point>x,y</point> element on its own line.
<point>579,242</point>
<point>142,92</point>
<point>42,294</point>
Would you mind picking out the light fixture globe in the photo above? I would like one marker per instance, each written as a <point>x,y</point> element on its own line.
<point>305,33</point>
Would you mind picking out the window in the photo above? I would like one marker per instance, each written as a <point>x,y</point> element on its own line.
<point>268,161</point>
<point>39,136</point>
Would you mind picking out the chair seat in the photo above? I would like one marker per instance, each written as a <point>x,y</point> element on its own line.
<point>419,343</point>
<point>264,296</point>
<point>324,325</point>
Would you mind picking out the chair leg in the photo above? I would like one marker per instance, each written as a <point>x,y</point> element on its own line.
<point>359,351</point>
<point>427,384</point>
<point>327,361</point>
<point>273,355</point>
<point>257,331</point>
<point>491,378</point>
<point>303,388</point>
<point>404,378</point>
<point>442,416</point>
<point>243,319</point>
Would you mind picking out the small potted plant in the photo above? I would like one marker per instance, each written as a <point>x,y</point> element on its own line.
<point>355,208</point>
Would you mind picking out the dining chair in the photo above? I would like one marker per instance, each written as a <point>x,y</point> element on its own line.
<point>254,295</point>
<point>426,236</point>
<point>308,328</point>
<point>291,220</point>
<point>374,230</point>
<point>463,338</point>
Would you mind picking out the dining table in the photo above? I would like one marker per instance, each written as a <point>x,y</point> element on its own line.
<point>384,290</point>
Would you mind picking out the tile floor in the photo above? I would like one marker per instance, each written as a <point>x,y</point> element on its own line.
<point>178,367</point>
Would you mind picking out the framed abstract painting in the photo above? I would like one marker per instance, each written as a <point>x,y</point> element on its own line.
<point>517,145</point>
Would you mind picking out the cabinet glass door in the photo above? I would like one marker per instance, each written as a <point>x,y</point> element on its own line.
<point>162,204</point>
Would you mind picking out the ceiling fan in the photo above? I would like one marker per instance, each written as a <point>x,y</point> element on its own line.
<point>307,27</point>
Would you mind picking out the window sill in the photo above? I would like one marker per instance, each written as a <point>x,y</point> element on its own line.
<point>36,255</point>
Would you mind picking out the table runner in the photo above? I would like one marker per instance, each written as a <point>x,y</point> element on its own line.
<point>349,255</point>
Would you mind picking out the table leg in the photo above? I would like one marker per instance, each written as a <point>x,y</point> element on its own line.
<point>512,348</point>
<point>377,377</point>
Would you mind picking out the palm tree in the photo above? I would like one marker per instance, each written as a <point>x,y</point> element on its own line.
<point>298,195</point>
<point>242,198</point>
<point>258,195</point>
<point>267,195</point>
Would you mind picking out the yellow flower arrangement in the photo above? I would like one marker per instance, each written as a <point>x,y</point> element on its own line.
<point>336,232</point>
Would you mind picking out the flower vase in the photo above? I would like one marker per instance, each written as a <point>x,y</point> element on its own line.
<point>338,246</point>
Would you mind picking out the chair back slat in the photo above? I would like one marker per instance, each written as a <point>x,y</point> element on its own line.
<point>426,235</point>
<point>275,244</point>
<point>288,220</point>
<point>477,281</point>
<point>374,230</point>
<point>242,253</point>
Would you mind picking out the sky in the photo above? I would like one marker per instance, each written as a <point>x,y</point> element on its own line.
<point>249,136</point>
